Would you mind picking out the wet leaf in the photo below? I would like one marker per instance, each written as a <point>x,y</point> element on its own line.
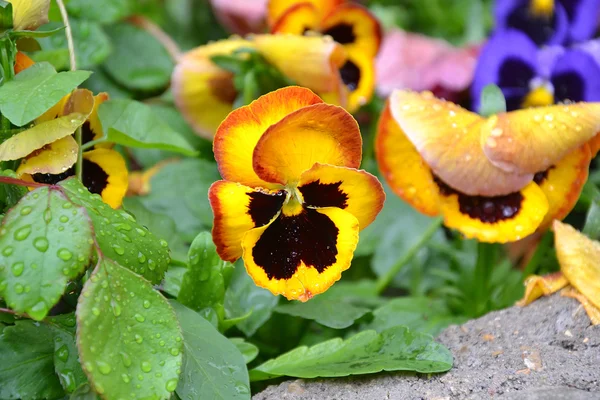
<point>492,101</point>
<point>248,350</point>
<point>103,12</point>
<point>45,240</point>
<point>33,91</point>
<point>395,349</point>
<point>213,367</point>
<point>27,368</point>
<point>129,339</point>
<point>119,236</point>
<point>66,355</point>
<point>84,392</point>
<point>10,194</point>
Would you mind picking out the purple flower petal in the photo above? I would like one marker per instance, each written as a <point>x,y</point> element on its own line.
<point>576,77</point>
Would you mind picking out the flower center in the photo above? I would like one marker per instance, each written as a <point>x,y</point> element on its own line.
<point>541,94</point>
<point>542,7</point>
<point>293,202</point>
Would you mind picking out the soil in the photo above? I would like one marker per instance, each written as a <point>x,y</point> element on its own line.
<point>548,350</point>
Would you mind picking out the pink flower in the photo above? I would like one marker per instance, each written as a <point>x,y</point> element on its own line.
<point>241,16</point>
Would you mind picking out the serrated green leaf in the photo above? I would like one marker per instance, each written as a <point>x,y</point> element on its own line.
<point>10,194</point>
<point>206,278</point>
<point>150,68</point>
<point>119,236</point>
<point>248,350</point>
<point>213,367</point>
<point>27,367</point>
<point>131,123</point>
<point>492,101</point>
<point>129,339</point>
<point>395,349</point>
<point>33,91</point>
<point>45,241</point>
<point>66,355</point>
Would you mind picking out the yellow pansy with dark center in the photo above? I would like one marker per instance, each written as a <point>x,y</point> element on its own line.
<point>292,200</point>
<point>497,179</point>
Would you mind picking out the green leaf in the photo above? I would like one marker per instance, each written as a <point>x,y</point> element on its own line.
<point>92,45</point>
<point>213,367</point>
<point>33,91</point>
<point>42,32</point>
<point>151,67</point>
<point>45,241</point>
<point>66,355</point>
<point>592,221</point>
<point>233,64</point>
<point>10,194</point>
<point>492,101</point>
<point>248,350</point>
<point>173,279</point>
<point>101,82</point>
<point>84,392</point>
<point>104,12</point>
<point>395,349</point>
<point>129,339</point>
<point>27,367</point>
<point>243,295</point>
<point>206,278</point>
<point>336,308</point>
<point>119,236</point>
<point>6,15</point>
<point>131,123</point>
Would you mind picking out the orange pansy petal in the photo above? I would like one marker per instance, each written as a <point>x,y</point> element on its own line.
<point>357,192</point>
<point>239,133</point>
<point>54,158</point>
<point>203,92</point>
<point>531,140</point>
<point>321,133</point>
<point>562,183</point>
<point>403,168</point>
<point>358,74</point>
<point>310,61</point>
<point>592,311</point>
<point>303,255</point>
<point>276,8</point>
<point>448,138</point>
<point>579,259</point>
<point>105,173</point>
<point>594,144</point>
<point>496,220</point>
<point>537,286</point>
<point>355,27</point>
<point>237,209</point>
<point>22,61</point>
<point>298,19</point>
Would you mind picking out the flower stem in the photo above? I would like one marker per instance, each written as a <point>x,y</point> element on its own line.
<point>8,74</point>
<point>486,257</point>
<point>386,279</point>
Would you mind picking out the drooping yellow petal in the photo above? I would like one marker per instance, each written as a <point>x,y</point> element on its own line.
<point>579,259</point>
<point>448,138</point>
<point>303,255</point>
<point>356,28</point>
<point>321,133</point>
<point>276,8</point>
<point>403,168</point>
<point>105,173</point>
<point>531,140</point>
<point>203,92</point>
<point>29,14</point>
<point>357,192</point>
<point>239,133</point>
<point>499,219</point>
<point>237,209</point>
<point>92,129</point>
<point>298,19</point>
<point>358,74</point>
<point>591,310</point>
<point>537,286</point>
<point>54,158</point>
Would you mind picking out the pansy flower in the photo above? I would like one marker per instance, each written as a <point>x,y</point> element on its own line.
<point>205,93</point>
<point>29,14</point>
<point>349,24</point>
<point>549,21</point>
<point>292,200</point>
<point>579,276</point>
<point>497,179</point>
<point>530,77</point>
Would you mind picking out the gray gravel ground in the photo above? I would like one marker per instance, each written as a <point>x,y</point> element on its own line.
<point>546,351</point>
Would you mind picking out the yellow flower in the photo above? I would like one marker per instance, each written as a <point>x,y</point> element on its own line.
<point>351,25</point>
<point>29,14</point>
<point>292,200</point>
<point>497,179</point>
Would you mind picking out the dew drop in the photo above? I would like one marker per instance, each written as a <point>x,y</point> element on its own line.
<point>64,254</point>
<point>19,288</point>
<point>140,231</point>
<point>63,353</point>
<point>138,338</point>
<point>126,359</point>
<point>141,257</point>
<point>171,385</point>
<point>146,366</point>
<point>164,243</point>
<point>139,317</point>
<point>63,218</point>
<point>41,244</point>
<point>118,249</point>
<point>174,351</point>
<point>103,367</point>
<point>23,232</point>
<point>26,210</point>
<point>95,311</point>
<point>125,378</point>
<point>116,308</point>
<point>146,304</point>
<point>8,250</point>
<point>151,265</point>
<point>17,268</point>
<point>67,205</point>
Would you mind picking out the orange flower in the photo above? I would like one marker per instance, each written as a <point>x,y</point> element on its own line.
<point>497,179</point>
<point>292,200</point>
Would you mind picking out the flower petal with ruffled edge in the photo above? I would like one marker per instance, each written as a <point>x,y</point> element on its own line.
<point>239,133</point>
<point>238,209</point>
<point>591,310</point>
<point>92,128</point>
<point>583,18</point>
<point>105,173</point>
<point>302,255</point>
<point>54,158</point>
<point>448,138</point>
<point>532,140</point>
<point>277,8</point>
<point>298,19</point>
<point>403,168</point>
<point>29,14</point>
<point>203,92</point>
<point>537,286</point>
<point>320,133</point>
<point>575,77</point>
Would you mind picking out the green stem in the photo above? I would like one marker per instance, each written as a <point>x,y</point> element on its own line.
<point>386,279</point>
<point>486,257</point>
<point>539,254</point>
<point>8,74</point>
<point>92,143</point>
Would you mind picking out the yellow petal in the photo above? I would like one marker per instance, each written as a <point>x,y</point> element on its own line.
<point>92,129</point>
<point>537,286</point>
<point>358,74</point>
<point>579,259</point>
<point>29,14</point>
<point>54,158</point>
<point>298,19</point>
<point>276,8</point>
<point>105,173</point>
<point>592,311</point>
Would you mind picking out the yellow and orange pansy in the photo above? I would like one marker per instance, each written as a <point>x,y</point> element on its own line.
<point>29,14</point>
<point>351,25</point>
<point>205,93</point>
<point>496,179</point>
<point>579,276</point>
<point>293,199</point>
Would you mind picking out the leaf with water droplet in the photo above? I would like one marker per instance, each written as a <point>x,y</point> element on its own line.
<point>36,258</point>
<point>114,345</point>
<point>213,366</point>
<point>66,356</point>
<point>10,194</point>
<point>112,223</point>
